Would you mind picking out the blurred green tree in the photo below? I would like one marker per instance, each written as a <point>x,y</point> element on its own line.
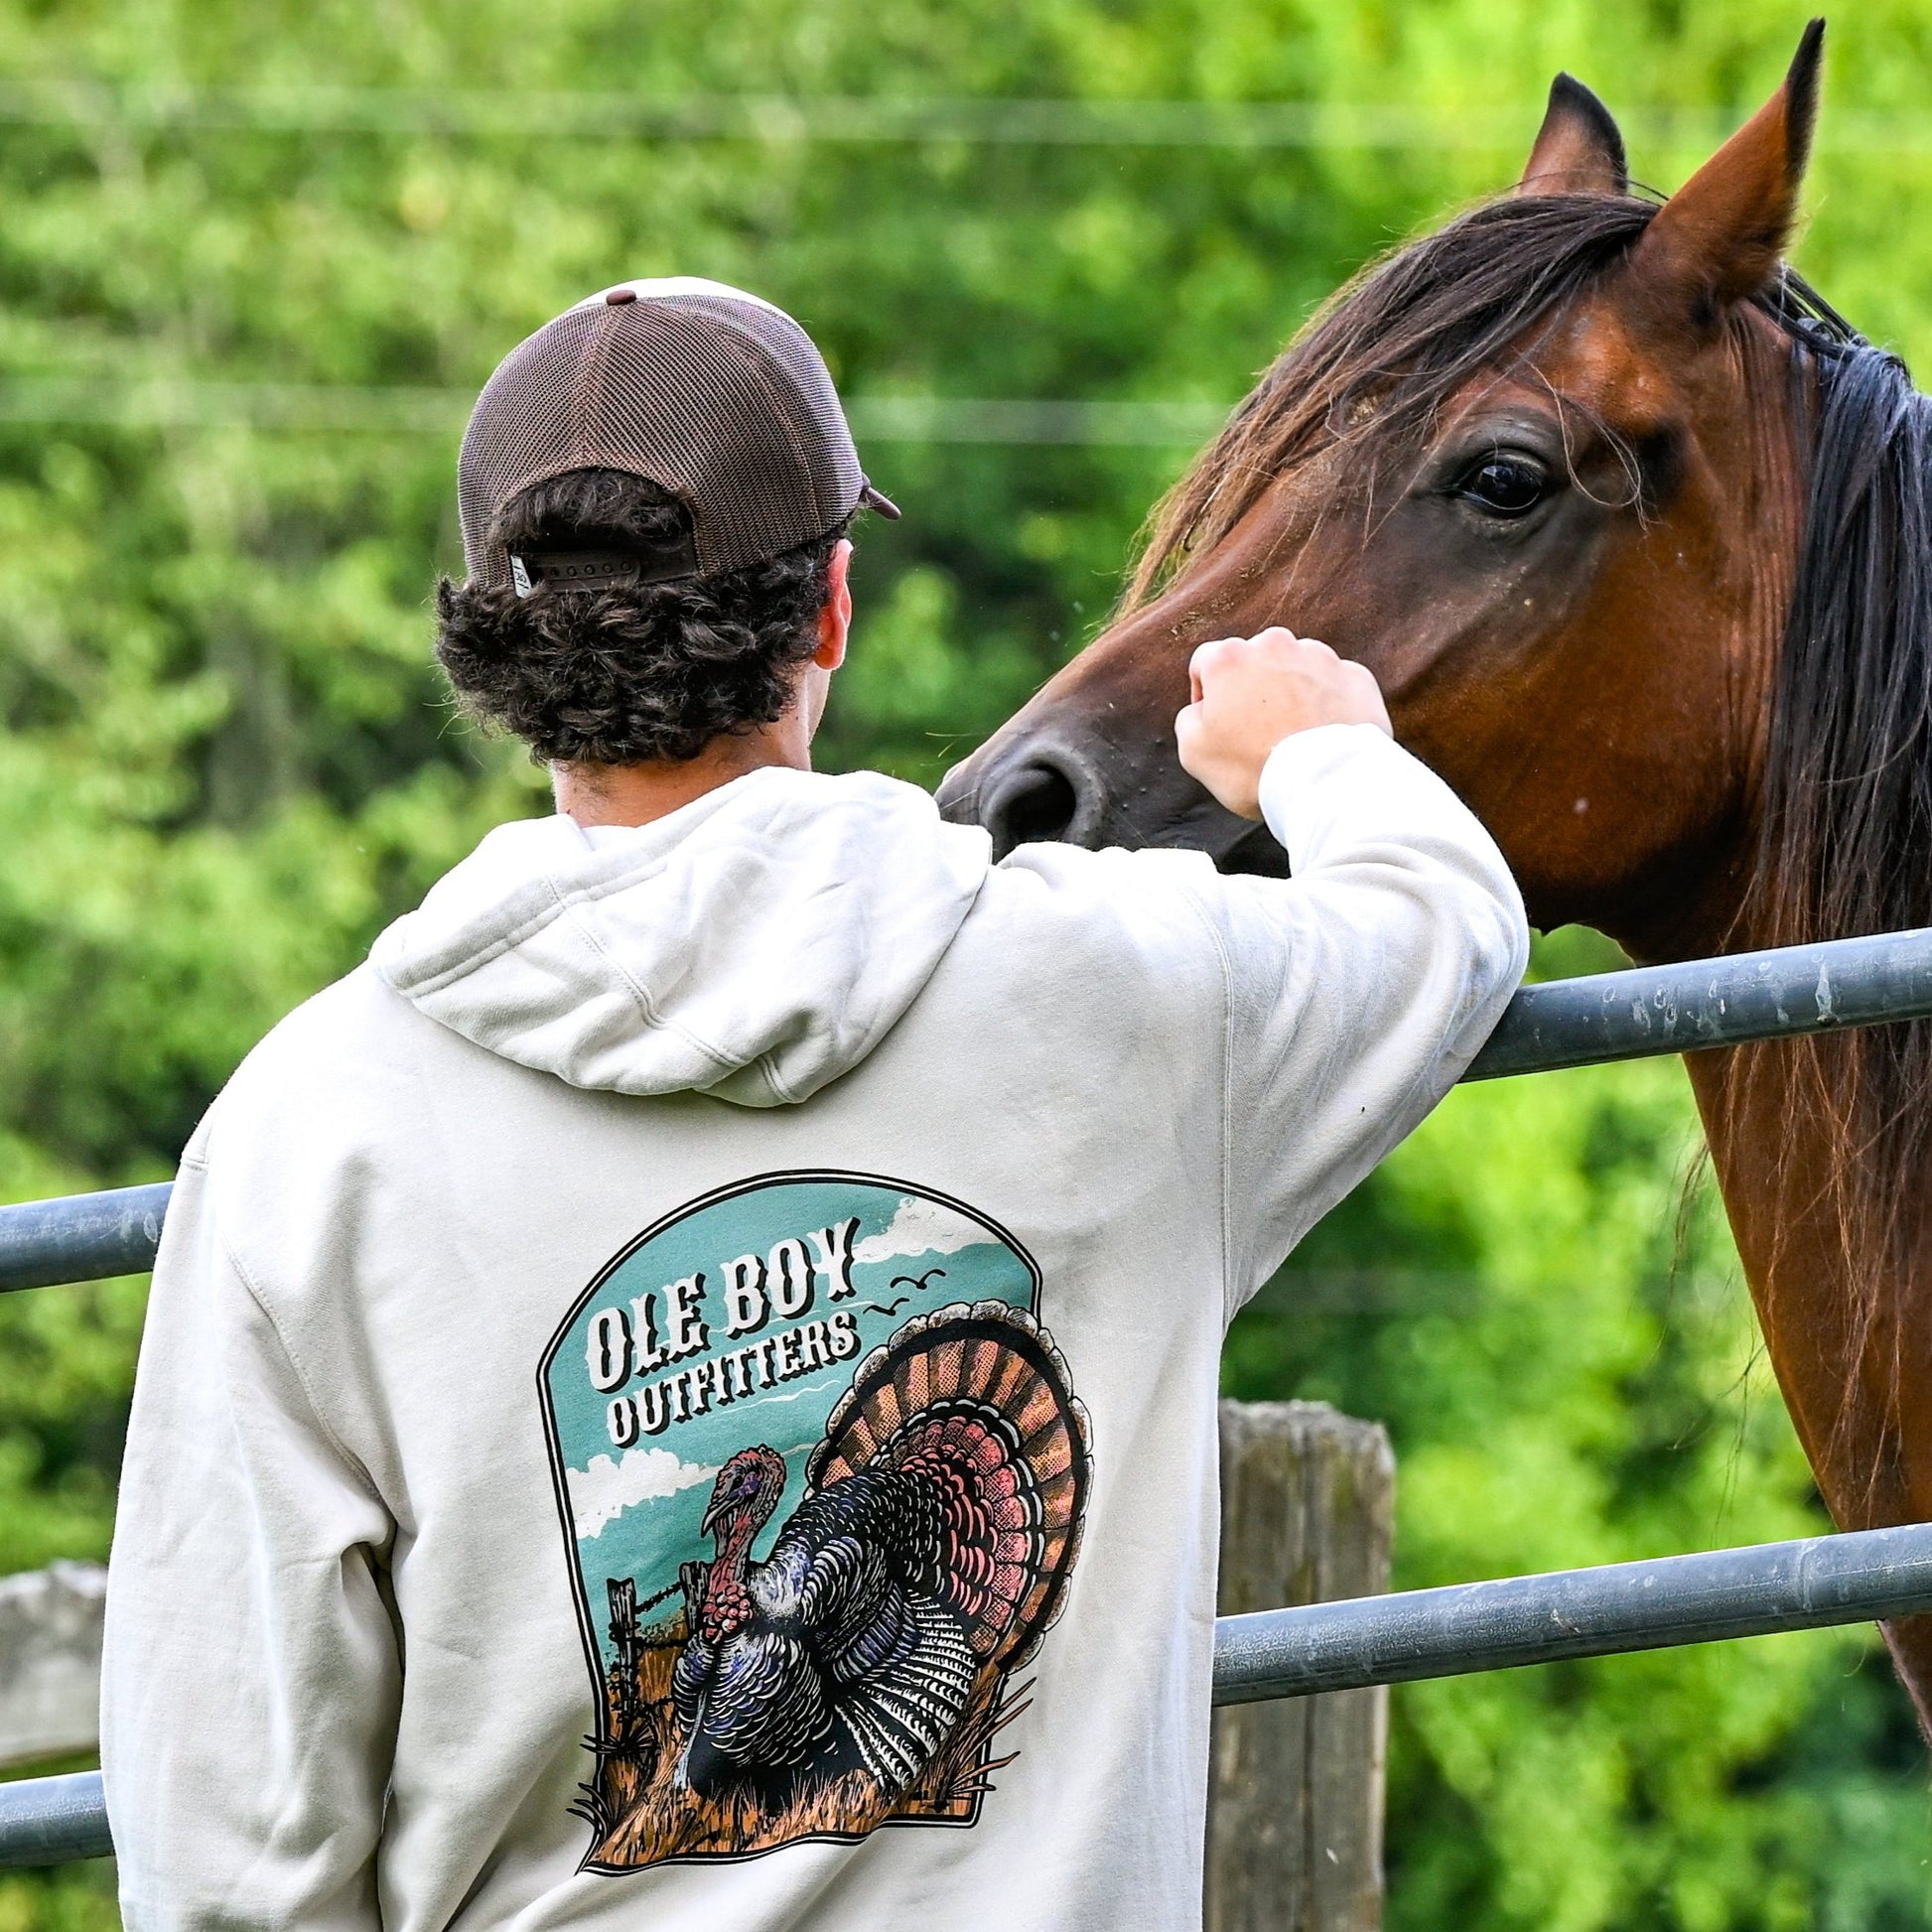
<point>253,260</point>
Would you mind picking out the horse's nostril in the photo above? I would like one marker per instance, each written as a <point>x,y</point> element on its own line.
<point>1037,803</point>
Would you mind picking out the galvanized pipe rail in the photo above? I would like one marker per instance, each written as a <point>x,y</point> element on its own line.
<point>1394,1639</point>
<point>81,1237</point>
<point>1459,1630</point>
<point>1462,1628</point>
<point>1702,1003</point>
<point>47,1821</point>
<point>1633,1015</point>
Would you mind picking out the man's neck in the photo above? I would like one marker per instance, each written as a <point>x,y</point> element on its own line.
<point>636,794</point>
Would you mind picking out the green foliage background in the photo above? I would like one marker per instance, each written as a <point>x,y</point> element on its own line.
<point>224,762</point>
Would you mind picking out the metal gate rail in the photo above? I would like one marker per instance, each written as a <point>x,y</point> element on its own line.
<point>1702,1003</point>
<point>1605,1611</point>
<point>1462,1629</point>
<point>1394,1639</point>
<point>1634,1015</point>
<point>47,1821</point>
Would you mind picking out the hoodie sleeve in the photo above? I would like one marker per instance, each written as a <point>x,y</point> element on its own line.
<point>251,1677</point>
<point>1359,989</point>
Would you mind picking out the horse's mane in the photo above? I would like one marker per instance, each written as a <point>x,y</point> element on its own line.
<point>1845,845</point>
<point>1843,837</point>
<point>1387,350</point>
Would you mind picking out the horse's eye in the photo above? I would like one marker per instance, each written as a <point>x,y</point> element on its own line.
<point>1505,485</point>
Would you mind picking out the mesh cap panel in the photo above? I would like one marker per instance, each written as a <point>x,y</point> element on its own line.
<point>709,393</point>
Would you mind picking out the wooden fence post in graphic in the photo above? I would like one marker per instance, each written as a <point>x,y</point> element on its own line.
<point>1294,1787</point>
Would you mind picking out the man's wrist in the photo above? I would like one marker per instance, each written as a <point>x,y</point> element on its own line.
<point>1298,758</point>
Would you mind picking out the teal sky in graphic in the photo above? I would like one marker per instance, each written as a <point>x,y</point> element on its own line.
<point>635,1513</point>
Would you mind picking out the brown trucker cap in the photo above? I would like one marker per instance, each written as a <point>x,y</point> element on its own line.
<point>712,394</point>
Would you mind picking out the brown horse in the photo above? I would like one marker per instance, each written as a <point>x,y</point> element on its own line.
<point>1636,534</point>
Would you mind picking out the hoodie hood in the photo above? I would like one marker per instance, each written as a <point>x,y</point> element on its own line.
<point>755,945</point>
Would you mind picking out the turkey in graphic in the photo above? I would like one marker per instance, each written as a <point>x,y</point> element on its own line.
<point>822,1475</point>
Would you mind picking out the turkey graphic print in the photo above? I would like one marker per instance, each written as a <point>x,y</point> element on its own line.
<point>822,1475</point>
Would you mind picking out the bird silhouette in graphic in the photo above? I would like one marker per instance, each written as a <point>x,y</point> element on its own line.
<point>916,1281</point>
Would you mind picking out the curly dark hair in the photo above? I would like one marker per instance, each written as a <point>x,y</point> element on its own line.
<point>626,672</point>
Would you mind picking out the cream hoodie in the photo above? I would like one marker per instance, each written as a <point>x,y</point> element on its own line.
<point>682,1394</point>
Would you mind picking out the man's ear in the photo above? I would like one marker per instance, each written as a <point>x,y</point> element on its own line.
<point>1579,149</point>
<point>1718,239</point>
<point>835,617</point>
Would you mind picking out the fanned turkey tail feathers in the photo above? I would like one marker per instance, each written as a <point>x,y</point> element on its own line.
<point>977,1400</point>
<point>899,1720</point>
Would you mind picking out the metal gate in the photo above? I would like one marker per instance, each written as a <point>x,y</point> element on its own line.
<point>1392,1639</point>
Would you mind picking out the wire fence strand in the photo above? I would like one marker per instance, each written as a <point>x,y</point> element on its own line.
<point>780,119</point>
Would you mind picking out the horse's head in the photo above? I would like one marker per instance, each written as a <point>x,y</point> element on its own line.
<point>1544,472</point>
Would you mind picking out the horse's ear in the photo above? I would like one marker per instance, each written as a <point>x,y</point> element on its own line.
<point>1718,237</point>
<point>1579,149</point>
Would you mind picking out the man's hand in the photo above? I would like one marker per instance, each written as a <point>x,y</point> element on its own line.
<point>1250,693</point>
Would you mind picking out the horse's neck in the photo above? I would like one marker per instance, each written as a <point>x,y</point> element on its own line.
<point>1849,1348</point>
<point>1690,905</point>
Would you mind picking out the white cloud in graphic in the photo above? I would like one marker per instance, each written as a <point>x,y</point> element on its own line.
<point>602,1493</point>
<point>924,1227</point>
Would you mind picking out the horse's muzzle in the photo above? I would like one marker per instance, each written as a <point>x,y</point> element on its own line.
<point>1027,788</point>
<point>1027,793</point>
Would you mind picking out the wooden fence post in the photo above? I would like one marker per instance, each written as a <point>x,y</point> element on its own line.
<point>1294,1786</point>
<point>49,1661</point>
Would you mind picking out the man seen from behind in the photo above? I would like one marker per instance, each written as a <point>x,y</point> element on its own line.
<point>681,1394</point>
